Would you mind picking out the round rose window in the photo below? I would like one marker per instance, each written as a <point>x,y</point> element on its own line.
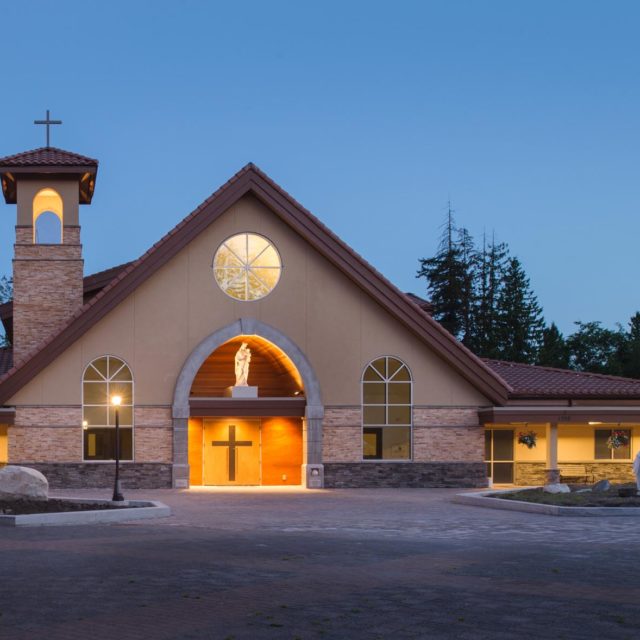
<point>247,266</point>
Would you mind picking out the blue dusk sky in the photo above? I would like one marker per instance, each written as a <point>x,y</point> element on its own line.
<point>372,114</point>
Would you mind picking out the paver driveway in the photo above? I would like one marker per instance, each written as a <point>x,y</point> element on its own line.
<point>288,564</point>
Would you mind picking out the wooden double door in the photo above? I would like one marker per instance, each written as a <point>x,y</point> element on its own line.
<point>251,451</point>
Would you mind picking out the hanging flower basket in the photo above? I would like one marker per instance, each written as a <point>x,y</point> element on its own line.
<point>617,439</point>
<point>528,439</point>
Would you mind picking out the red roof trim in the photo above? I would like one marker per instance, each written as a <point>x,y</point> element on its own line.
<point>251,180</point>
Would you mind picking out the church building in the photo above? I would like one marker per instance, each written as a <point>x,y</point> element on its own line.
<point>251,346</point>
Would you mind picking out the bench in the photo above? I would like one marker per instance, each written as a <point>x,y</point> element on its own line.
<point>574,471</point>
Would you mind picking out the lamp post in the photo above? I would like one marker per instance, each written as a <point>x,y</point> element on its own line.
<point>116,401</point>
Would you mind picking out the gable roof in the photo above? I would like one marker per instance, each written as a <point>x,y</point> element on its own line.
<point>250,180</point>
<point>535,382</point>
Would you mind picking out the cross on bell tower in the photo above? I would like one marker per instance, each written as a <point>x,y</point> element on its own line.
<point>48,122</point>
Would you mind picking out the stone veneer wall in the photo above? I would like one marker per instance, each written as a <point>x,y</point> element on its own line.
<point>47,287</point>
<point>448,450</point>
<point>532,473</point>
<point>50,439</point>
<point>133,475</point>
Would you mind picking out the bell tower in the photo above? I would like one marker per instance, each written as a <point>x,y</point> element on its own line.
<point>48,185</point>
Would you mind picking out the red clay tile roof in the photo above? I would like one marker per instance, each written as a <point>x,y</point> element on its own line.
<point>529,381</point>
<point>6,359</point>
<point>47,157</point>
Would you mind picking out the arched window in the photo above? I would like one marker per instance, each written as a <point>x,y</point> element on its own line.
<point>104,378</point>
<point>386,410</point>
<point>47,217</point>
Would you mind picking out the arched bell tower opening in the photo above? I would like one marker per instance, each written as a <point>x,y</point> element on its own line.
<point>268,432</point>
<point>48,217</point>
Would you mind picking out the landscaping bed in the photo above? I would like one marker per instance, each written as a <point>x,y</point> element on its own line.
<point>608,498</point>
<point>54,505</point>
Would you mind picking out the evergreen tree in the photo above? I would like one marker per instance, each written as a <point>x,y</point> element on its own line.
<point>630,353</point>
<point>520,321</point>
<point>468,301</point>
<point>489,275</point>
<point>6,293</point>
<point>553,351</point>
<point>596,349</point>
<point>446,278</point>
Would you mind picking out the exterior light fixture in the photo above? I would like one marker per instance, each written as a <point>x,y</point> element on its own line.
<point>85,424</point>
<point>116,401</point>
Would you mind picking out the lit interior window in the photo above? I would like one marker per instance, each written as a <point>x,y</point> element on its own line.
<point>247,266</point>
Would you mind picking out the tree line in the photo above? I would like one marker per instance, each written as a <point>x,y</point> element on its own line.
<point>483,296</point>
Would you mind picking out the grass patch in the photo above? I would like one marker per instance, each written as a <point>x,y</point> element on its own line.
<point>607,499</point>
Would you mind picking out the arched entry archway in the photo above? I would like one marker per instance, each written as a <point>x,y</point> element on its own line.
<point>312,469</point>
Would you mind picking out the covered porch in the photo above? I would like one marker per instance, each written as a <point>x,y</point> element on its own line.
<point>568,444</point>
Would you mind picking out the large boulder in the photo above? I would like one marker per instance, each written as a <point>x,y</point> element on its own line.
<point>602,486</point>
<point>22,482</point>
<point>556,487</point>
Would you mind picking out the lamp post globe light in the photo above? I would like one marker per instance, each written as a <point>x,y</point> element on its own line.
<point>116,401</point>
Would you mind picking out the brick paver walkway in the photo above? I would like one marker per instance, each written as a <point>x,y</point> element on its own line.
<point>286,564</point>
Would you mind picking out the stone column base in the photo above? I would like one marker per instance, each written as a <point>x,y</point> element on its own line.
<point>551,476</point>
<point>180,476</point>
<point>313,476</point>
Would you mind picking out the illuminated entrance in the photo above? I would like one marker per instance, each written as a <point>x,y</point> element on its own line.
<point>246,440</point>
<point>248,451</point>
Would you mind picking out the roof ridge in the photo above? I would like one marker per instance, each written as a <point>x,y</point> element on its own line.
<point>573,372</point>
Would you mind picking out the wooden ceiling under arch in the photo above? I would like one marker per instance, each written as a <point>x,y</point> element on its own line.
<point>270,370</point>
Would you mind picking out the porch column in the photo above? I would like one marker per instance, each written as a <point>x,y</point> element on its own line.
<point>552,474</point>
<point>180,479</point>
<point>312,467</point>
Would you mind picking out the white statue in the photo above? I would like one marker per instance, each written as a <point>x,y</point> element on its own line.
<point>243,358</point>
<point>636,470</point>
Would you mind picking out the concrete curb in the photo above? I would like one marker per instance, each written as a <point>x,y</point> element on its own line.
<point>144,510</point>
<point>485,499</point>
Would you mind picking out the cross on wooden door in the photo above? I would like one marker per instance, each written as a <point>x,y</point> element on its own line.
<point>232,443</point>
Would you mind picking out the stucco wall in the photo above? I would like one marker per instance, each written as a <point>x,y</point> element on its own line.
<point>338,327</point>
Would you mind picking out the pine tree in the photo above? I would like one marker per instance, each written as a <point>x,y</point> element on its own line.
<point>553,351</point>
<point>446,277</point>
<point>520,321</point>
<point>468,301</point>
<point>490,267</point>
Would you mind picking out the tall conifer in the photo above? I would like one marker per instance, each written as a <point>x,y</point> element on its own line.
<point>553,351</point>
<point>446,278</point>
<point>520,321</point>
<point>490,268</point>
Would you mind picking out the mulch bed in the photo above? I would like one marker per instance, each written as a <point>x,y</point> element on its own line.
<point>23,507</point>
<point>607,499</point>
